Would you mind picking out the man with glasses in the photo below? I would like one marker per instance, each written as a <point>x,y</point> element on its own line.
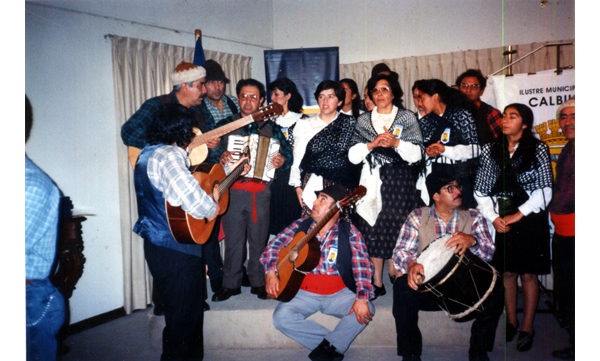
<point>423,226</point>
<point>488,119</point>
<point>250,198</point>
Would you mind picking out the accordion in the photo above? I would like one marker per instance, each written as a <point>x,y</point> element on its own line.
<point>262,150</point>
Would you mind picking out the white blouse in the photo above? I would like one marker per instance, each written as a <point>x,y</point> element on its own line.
<point>303,133</point>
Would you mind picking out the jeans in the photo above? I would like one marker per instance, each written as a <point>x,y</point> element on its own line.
<point>45,315</point>
<point>291,319</point>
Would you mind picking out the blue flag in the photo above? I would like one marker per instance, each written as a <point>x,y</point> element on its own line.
<point>199,52</point>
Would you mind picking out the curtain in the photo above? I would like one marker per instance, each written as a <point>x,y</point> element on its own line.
<point>449,66</point>
<point>141,71</point>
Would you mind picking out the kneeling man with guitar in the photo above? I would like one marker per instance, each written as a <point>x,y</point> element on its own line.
<point>321,264</point>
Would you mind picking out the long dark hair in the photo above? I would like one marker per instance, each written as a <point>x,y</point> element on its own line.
<point>527,143</point>
<point>449,96</point>
<point>288,87</point>
<point>172,124</point>
<point>356,102</point>
<point>394,85</point>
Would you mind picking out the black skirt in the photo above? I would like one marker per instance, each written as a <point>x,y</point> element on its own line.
<point>398,195</point>
<point>285,208</point>
<point>526,247</point>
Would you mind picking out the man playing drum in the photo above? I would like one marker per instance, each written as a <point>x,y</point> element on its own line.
<point>468,230</point>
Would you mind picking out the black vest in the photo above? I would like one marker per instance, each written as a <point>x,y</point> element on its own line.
<point>343,261</point>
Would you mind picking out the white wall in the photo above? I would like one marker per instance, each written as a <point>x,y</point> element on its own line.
<point>69,83</point>
<point>388,29</point>
<point>69,77</point>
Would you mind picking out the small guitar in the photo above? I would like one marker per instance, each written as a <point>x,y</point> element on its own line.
<point>197,149</point>
<point>302,255</point>
<point>189,230</point>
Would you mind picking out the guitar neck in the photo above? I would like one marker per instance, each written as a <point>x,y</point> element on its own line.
<point>317,228</point>
<point>231,177</point>
<point>215,133</point>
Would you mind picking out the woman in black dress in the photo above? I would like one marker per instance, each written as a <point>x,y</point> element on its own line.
<point>284,208</point>
<point>513,188</point>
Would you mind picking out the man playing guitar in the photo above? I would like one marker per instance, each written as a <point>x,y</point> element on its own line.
<point>340,285</point>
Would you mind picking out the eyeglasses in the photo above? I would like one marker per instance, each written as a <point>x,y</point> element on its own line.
<point>249,97</point>
<point>473,86</point>
<point>382,90</point>
<point>452,188</point>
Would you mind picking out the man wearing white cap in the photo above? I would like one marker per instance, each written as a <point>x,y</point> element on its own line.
<point>188,90</point>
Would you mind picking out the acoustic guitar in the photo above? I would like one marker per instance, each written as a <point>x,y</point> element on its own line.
<point>302,255</point>
<point>197,149</point>
<point>189,230</point>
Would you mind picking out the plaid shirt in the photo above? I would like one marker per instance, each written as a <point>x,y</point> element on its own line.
<point>213,115</point>
<point>168,170</point>
<point>406,247</point>
<point>494,118</point>
<point>42,198</point>
<point>362,268</point>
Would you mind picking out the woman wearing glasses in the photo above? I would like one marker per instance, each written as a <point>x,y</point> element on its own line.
<point>321,145</point>
<point>386,142</point>
<point>449,135</point>
<point>513,189</point>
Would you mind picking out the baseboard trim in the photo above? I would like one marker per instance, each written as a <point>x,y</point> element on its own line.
<point>95,321</point>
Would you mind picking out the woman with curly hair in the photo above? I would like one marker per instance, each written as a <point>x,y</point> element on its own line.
<point>513,189</point>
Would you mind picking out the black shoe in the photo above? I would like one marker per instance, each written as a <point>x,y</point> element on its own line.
<point>379,291</point>
<point>525,340</point>
<point>325,352</point>
<point>478,355</point>
<point>216,284</point>
<point>511,331</point>
<point>224,293</point>
<point>411,358</point>
<point>566,354</point>
<point>159,310</point>
<point>260,292</point>
<point>206,306</point>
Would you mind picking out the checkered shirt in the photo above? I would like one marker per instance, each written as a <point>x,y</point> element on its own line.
<point>406,246</point>
<point>42,199</point>
<point>168,170</point>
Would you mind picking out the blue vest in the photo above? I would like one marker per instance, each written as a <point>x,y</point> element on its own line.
<point>152,224</point>
<point>344,258</point>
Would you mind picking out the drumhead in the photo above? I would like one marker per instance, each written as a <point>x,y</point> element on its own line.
<point>435,256</point>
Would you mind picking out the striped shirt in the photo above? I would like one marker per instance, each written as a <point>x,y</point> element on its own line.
<point>42,198</point>
<point>362,268</point>
<point>168,171</point>
<point>406,247</point>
